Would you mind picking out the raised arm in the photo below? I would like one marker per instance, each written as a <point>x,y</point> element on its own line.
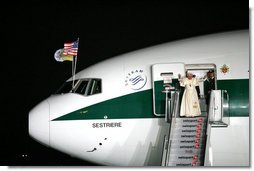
<point>179,77</point>
<point>181,80</point>
<point>202,79</point>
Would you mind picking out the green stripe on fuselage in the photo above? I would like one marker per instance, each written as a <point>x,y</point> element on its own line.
<point>140,104</point>
<point>135,105</point>
<point>238,91</point>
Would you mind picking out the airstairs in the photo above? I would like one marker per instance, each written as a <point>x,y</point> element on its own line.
<point>186,143</point>
<point>186,140</point>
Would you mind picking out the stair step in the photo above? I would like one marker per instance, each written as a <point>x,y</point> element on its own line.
<point>188,141</point>
<point>190,125</point>
<point>185,159</point>
<point>180,129</point>
<point>189,128</point>
<point>191,120</point>
<point>185,151</point>
<point>188,135</point>
<point>185,156</point>
<point>190,164</point>
<point>182,146</point>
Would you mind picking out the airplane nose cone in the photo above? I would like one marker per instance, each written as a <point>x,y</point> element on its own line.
<point>39,122</point>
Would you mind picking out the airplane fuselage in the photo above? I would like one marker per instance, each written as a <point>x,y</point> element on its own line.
<point>117,125</point>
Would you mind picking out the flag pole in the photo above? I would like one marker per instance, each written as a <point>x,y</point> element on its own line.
<point>74,61</point>
<point>72,70</point>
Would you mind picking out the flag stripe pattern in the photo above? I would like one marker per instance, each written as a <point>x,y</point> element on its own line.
<point>71,48</point>
<point>60,57</point>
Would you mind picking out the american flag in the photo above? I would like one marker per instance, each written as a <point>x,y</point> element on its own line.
<point>71,48</point>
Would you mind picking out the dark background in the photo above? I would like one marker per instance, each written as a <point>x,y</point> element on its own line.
<point>33,32</point>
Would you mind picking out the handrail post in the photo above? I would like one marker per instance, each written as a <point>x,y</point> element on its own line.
<point>175,104</point>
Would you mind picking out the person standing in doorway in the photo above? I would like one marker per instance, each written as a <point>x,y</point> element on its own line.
<point>209,85</point>
<point>190,104</point>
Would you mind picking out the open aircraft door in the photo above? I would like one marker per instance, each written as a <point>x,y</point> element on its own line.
<point>219,108</point>
<point>164,74</point>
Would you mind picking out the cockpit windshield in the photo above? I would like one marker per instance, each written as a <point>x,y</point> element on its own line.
<point>85,87</point>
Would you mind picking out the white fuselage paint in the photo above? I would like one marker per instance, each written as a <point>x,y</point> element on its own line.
<point>136,143</point>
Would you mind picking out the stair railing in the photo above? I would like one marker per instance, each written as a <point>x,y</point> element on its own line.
<point>172,106</point>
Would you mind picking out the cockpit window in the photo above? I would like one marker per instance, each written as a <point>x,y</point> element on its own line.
<point>85,87</point>
<point>95,87</point>
<point>66,87</point>
<point>82,87</point>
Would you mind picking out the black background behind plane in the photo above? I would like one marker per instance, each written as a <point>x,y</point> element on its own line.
<point>33,32</point>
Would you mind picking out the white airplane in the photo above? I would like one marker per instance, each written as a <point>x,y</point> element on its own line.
<point>115,114</point>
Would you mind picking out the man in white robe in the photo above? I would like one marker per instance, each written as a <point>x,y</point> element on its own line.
<point>190,104</point>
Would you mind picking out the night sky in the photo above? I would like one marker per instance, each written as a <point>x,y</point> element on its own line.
<point>105,29</point>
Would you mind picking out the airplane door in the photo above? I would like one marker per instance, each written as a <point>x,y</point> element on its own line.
<point>219,108</point>
<point>164,74</point>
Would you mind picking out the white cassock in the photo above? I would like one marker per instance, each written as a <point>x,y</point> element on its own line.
<point>190,103</point>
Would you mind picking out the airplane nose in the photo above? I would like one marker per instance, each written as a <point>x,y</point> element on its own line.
<point>39,122</point>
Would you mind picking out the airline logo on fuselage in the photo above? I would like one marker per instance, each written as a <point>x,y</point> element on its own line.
<point>136,79</point>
